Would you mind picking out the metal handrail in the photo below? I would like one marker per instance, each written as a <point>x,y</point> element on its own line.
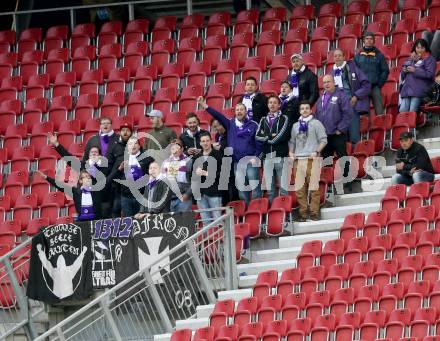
<point>113,4</point>
<point>140,272</point>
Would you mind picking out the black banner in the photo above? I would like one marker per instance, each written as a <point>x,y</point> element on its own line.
<point>112,250</point>
<point>60,264</point>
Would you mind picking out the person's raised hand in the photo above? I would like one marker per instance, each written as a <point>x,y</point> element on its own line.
<point>202,102</point>
<point>53,139</point>
<point>40,173</point>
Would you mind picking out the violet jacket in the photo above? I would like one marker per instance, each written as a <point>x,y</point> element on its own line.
<point>415,84</point>
<point>338,114</point>
<point>243,143</point>
<point>359,85</point>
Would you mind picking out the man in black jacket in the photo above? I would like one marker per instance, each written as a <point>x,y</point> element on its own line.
<point>432,96</point>
<point>157,195</point>
<point>255,102</point>
<point>105,138</point>
<point>131,167</point>
<point>413,163</point>
<point>116,152</point>
<point>191,135</point>
<point>273,132</point>
<point>304,82</point>
<point>205,180</point>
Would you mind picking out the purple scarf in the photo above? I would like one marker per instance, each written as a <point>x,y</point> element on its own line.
<point>294,80</point>
<point>153,183</point>
<point>105,139</point>
<point>86,211</point>
<point>303,126</point>
<point>271,120</point>
<point>326,100</point>
<point>136,172</point>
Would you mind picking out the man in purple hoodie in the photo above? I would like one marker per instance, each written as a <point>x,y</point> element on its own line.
<point>335,112</point>
<point>356,86</point>
<point>241,138</point>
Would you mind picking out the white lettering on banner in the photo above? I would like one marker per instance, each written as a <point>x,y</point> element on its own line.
<point>104,278</point>
<point>183,298</point>
<point>158,222</point>
<point>60,239</point>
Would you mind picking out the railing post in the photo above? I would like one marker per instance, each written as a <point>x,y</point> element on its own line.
<point>229,251</point>
<point>130,11</point>
<point>60,334</point>
<point>166,322</point>
<point>72,19</point>
<point>108,316</point>
<point>22,301</point>
<point>201,272</point>
<point>189,7</point>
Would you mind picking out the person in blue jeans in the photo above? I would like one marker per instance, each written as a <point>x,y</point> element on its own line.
<point>412,162</point>
<point>273,132</point>
<point>176,168</point>
<point>245,149</point>
<point>205,179</point>
<point>417,76</point>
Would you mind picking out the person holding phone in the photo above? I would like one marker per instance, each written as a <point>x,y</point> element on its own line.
<point>191,135</point>
<point>417,75</point>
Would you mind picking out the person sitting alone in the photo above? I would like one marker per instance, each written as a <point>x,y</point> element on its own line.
<point>413,164</point>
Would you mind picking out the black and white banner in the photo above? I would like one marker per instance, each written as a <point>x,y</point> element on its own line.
<point>59,265</point>
<point>68,261</point>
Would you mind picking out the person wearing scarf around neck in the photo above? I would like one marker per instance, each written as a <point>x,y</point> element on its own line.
<point>191,135</point>
<point>373,64</point>
<point>356,86</point>
<point>308,139</point>
<point>273,132</point>
<point>115,152</point>
<point>255,102</point>
<point>105,138</point>
<point>289,103</point>
<point>303,81</point>
<point>93,164</point>
<point>220,137</point>
<point>203,172</point>
<point>335,112</point>
<point>417,76</point>
<point>241,133</point>
<point>157,194</point>
<point>87,202</point>
<point>177,168</point>
<point>133,165</point>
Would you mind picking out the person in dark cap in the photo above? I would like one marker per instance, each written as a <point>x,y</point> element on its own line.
<point>115,153</point>
<point>303,81</point>
<point>412,163</point>
<point>158,139</point>
<point>373,64</point>
<point>160,136</point>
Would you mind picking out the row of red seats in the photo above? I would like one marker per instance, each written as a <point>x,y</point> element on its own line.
<point>302,328</point>
<point>296,305</point>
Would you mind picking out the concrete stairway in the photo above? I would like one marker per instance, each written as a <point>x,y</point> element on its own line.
<point>283,256</point>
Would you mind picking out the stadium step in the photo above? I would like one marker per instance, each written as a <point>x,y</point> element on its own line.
<point>381,184</point>
<point>358,198</point>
